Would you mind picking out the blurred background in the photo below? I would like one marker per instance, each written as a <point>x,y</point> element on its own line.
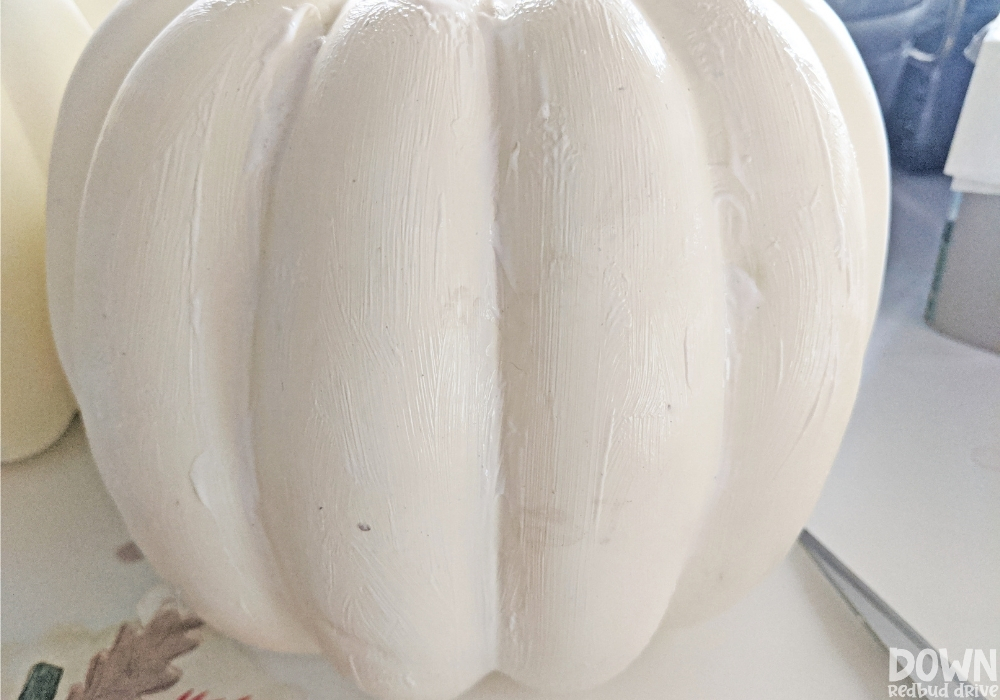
<point>920,54</point>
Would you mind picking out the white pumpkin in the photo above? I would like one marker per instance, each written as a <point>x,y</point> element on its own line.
<point>444,337</point>
<point>41,40</point>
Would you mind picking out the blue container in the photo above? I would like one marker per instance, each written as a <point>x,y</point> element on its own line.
<point>914,52</point>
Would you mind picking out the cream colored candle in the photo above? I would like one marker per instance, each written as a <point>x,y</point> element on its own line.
<point>41,40</point>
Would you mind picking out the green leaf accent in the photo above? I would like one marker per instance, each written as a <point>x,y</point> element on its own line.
<point>42,683</point>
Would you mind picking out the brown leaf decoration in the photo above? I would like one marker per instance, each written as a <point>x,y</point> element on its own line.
<point>138,663</point>
<point>189,695</point>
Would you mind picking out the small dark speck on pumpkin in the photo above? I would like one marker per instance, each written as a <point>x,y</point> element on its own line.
<point>129,553</point>
<point>364,527</point>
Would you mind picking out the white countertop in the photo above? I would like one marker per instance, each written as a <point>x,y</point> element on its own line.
<point>912,505</point>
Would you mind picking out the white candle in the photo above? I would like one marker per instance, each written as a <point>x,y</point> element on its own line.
<point>41,42</point>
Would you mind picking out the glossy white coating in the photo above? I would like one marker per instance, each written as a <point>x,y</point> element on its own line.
<point>446,338</point>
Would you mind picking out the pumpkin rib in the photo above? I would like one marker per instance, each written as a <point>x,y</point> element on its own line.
<point>95,81</point>
<point>160,240</point>
<point>797,244</point>
<point>607,422</point>
<point>375,371</point>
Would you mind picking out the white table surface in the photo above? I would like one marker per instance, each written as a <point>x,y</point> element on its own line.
<point>912,504</point>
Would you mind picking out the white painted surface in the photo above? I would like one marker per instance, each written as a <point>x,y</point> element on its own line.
<point>911,506</point>
<point>791,637</point>
<point>331,417</point>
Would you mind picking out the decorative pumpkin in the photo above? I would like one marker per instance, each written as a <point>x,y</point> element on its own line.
<point>443,338</point>
<point>41,41</point>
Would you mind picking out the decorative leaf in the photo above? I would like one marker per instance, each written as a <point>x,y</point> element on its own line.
<point>138,663</point>
<point>42,683</point>
<point>189,695</point>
